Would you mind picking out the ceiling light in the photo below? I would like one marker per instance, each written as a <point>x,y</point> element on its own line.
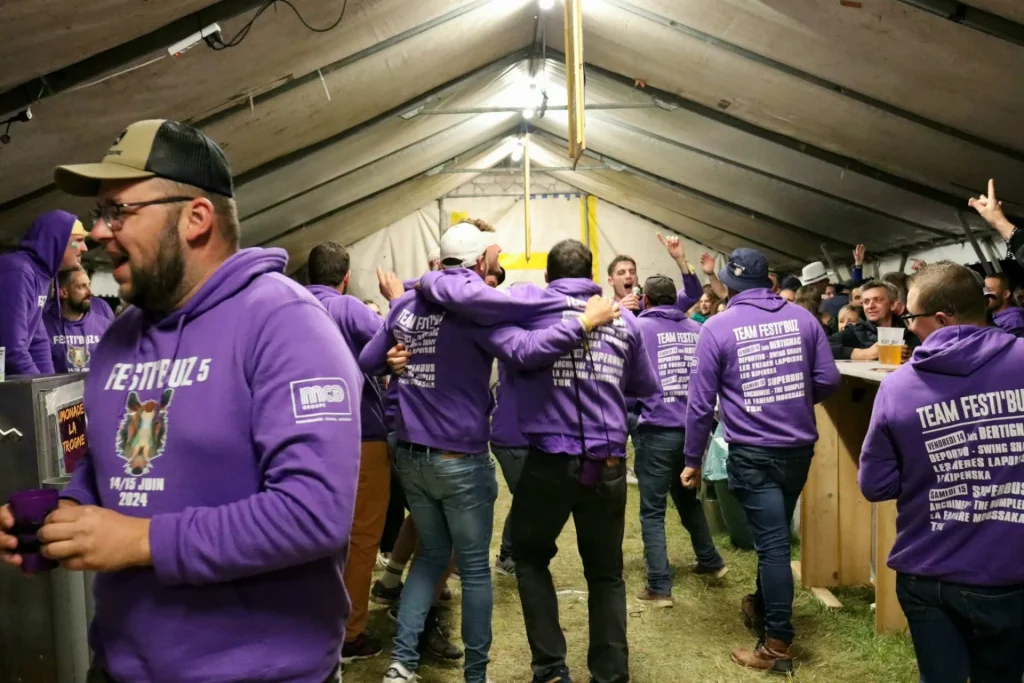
<point>528,114</point>
<point>517,153</point>
<point>546,4</point>
<point>411,113</point>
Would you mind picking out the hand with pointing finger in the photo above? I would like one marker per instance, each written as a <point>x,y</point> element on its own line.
<point>991,209</point>
<point>391,286</point>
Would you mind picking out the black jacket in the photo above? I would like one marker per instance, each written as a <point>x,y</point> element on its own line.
<point>863,335</point>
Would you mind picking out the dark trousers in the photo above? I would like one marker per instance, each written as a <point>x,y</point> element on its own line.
<point>549,490</point>
<point>659,463</point>
<point>962,632</point>
<point>768,481</point>
<point>511,462</point>
<point>397,505</point>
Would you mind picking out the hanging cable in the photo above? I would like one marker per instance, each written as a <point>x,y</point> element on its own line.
<point>215,43</point>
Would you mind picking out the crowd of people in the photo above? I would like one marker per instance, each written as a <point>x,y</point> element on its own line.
<point>254,444</point>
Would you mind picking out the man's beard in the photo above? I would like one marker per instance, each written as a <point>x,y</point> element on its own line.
<point>159,288</point>
<point>83,306</point>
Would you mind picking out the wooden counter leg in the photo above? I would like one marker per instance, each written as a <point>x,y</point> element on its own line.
<point>889,617</point>
<point>819,507</point>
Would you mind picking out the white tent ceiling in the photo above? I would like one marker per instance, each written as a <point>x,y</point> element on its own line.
<point>781,124</point>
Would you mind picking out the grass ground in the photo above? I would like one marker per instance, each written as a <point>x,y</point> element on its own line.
<point>690,642</point>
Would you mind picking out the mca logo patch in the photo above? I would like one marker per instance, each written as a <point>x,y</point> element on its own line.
<point>78,358</point>
<point>321,398</point>
<point>143,433</point>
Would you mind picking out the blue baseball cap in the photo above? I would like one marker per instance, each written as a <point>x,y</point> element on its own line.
<point>745,269</point>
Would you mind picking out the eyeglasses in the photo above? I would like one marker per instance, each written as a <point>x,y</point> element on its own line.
<point>113,214</point>
<point>907,317</point>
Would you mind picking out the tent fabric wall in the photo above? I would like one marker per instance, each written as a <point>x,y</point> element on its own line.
<point>405,245</point>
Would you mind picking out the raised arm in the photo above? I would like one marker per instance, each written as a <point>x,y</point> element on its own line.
<point>373,359</point>
<point>303,511</point>
<point>466,294</point>
<point>707,264</point>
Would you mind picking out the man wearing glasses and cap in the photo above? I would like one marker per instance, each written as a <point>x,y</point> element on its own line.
<point>944,443</point>
<point>54,243</point>
<point>216,498</point>
<point>768,362</point>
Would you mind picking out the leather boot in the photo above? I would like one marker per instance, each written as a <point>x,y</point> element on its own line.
<point>753,619</point>
<point>771,654</point>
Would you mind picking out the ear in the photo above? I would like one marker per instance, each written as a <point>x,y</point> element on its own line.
<point>133,401</point>
<point>200,215</point>
<point>344,283</point>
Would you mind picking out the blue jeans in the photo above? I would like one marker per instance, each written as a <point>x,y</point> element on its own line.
<point>451,499</point>
<point>659,462</point>
<point>962,632</point>
<point>511,461</point>
<point>768,481</point>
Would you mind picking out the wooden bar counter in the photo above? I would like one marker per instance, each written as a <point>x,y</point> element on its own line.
<point>839,528</point>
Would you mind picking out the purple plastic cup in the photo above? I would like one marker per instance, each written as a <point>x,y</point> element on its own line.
<point>30,509</point>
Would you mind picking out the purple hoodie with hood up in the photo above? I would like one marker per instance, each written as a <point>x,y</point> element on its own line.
<point>946,441</point>
<point>233,424</point>
<point>25,278</point>
<point>769,361</point>
<point>358,324</point>
<point>671,339</point>
<point>444,394</point>
<point>614,367</point>
<point>1010,320</point>
<point>72,341</point>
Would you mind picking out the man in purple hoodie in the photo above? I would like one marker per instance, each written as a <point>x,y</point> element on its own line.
<point>442,423</point>
<point>1005,315</point>
<point>328,269</point>
<point>670,338</point>
<point>72,326</point>
<point>216,498</point>
<point>574,417</point>
<point>768,362</point>
<point>53,243</point>
<point>945,442</point>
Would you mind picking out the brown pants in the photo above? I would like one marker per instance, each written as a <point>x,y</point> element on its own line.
<point>367,527</point>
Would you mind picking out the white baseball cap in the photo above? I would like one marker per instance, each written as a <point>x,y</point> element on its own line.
<point>464,243</point>
<point>814,272</point>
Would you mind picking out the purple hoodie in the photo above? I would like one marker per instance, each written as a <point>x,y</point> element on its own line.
<point>72,341</point>
<point>616,365</point>
<point>947,442</point>
<point>25,278</point>
<point>233,423</point>
<point>505,431</point>
<point>358,324</point>
<point>670,338</point>
<point>769,362</point>
<point>685,299</point>
<point>444,394</point>
<point>1010,320</point>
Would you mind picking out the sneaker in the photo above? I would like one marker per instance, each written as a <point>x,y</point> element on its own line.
<point>752,617</point>
<point>505,565</point>
<point>436,641</point>
<point>364,646</point>
<point>393,613</point>
<point>397,673</point>
<point>382,560</point>
<point>559,677</point>
<point>382,595</point>
<point>656,600</point>
<point>631,476</point>
<point>770,654</point>
<point>701,570</point>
